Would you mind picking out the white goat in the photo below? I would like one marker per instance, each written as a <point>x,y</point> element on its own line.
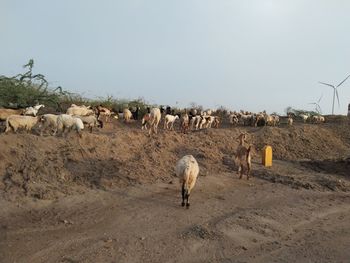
<point>185,123</point>
<point>187,170</point>
<point>195,122</point>
<point>169,120</point>
<point>33,111</point>
<point>155,117</point>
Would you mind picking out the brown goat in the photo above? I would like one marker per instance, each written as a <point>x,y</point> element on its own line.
<point>243,156</point>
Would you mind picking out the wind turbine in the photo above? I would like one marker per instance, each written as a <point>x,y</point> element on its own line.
<point>335,91</point>
<point>317,105</point>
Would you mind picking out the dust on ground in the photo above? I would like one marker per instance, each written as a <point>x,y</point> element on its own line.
<point>112,196</point>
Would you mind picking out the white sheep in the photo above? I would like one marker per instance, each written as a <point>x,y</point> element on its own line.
<point>15,122</point>
<point>79,110</point>
<point>169,121</point>
<point>187,170</point>
<point>304,117</point>
<point>318,119</point>
<point>68,122</point>
<point>90,121</point>
<point>48,120</point>
<point>155,117</point>
<point>127,115</point>
<point>33,111</point>
<point>290,121</point>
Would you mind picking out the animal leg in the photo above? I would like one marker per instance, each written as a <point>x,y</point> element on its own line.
<point>187,200</point>
<point>249,166</point>
<point>183,194</point>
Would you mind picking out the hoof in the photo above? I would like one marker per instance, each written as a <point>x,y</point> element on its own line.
<point>182,204</point>
<point>187,205</point>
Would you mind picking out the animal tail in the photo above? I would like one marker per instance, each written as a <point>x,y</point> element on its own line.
<point>187,179</point>
<point>7,125</point>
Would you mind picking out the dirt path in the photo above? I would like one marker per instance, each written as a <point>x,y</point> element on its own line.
<point>230,220</point>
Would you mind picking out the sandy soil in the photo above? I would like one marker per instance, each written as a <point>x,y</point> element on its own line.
<point>112,196</point>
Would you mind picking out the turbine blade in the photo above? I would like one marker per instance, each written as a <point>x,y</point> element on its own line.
<point>343,81</point>
<point>326,84</point>
<point>320,99</point>
<point>336,92</point>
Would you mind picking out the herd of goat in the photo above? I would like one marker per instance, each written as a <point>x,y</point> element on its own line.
<point>78,117</point>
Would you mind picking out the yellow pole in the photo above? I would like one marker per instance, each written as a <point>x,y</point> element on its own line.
<point>267,156</point>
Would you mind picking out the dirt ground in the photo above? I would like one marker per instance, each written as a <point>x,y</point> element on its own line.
<point>112,196</point>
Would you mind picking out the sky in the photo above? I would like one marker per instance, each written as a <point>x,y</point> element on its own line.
<point>249,54</point>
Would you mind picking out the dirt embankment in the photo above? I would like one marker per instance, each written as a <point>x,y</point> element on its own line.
<point>48,167</point>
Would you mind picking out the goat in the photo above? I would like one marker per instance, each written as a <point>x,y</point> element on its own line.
<point>145,120</point>
<point>155,117</point>
<point>185,122</point>
<point>170,119</point>
<point>243,156</point>
<point>33,111</point>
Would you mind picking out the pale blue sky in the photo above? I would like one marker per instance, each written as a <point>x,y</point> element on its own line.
<point>248,54</point>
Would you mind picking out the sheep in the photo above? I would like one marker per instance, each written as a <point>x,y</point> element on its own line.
<point>243,156</point>
<point>90,121</point>
<point>79,110</point>
<point>304,117</point>
<point>187,170</point>
<point>68,122</point>
<point>48,120</point>
<point>15,122</point>
<point>33,111</point>
<point>145,120</point>
<point>4,113</point>
<point>169,120</point>
<point>127,115</point>
<point>317,119</point>
<point>272,120</point>
<point>290,121</point>
<point>155,117</point>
